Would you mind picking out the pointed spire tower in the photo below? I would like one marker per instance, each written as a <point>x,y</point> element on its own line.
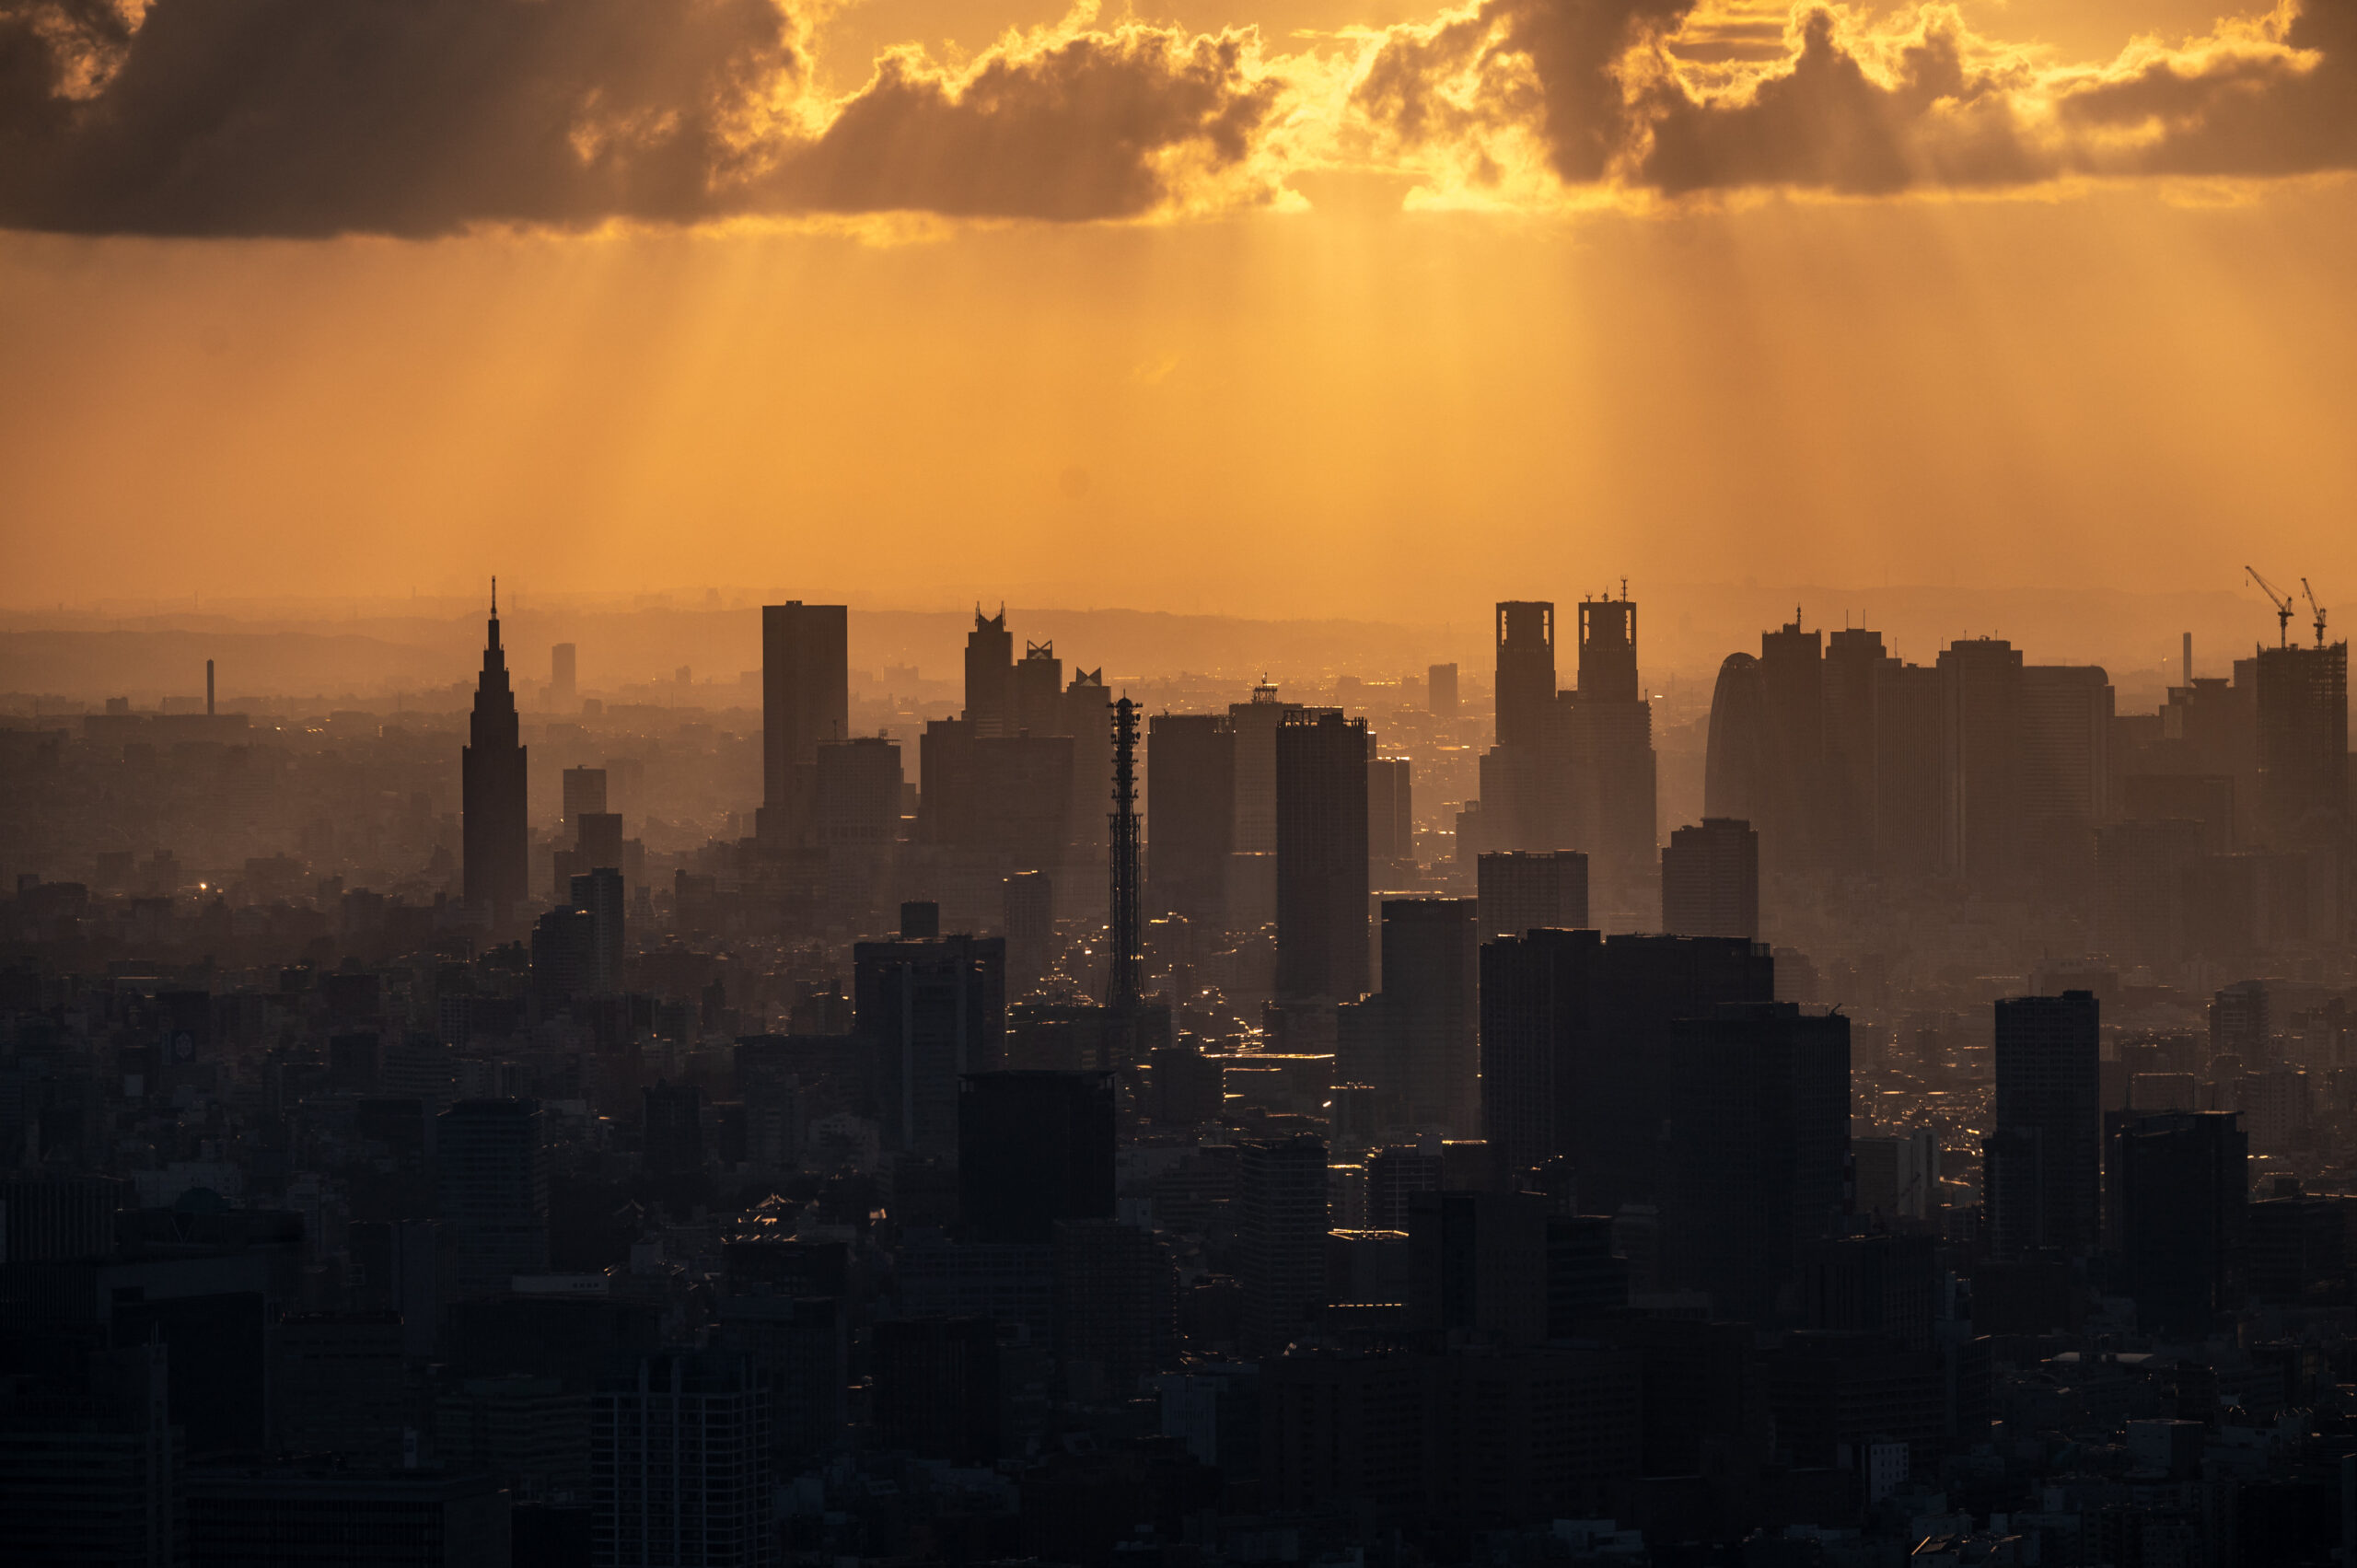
<point>495,832</point>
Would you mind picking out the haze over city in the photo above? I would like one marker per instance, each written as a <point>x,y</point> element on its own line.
<point>847,783</point>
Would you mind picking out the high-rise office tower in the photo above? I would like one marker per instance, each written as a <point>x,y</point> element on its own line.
<point>496,828</point>
<point>494,1191</point>
<point>1738,777</point>
<point>1440,690</point>
<point>1759,1129</point>
<point>1390,813</point>
<point>585,792</point>
<point>1256,725</point>
<point>1321,856</point>
<point>679,1463</point>
<point>1115,1308</point>
<point>989,674</point>
<point>2178,1191</point>
<point>1282,1224</point>
<point>2048,1118</point>
<point>1792,674</point>
<point>1911,769</point>
<point>1190,816</point>
<point>1413,1046</point>
<point>1614,808</point>
<point>1033,1148</point>
<point>1028,915</point>
<point>2066,717</point>
<point>805,698</point>
<point>1574,1027</point>
<point>2304,745</point>
<point>564,692</point>
<point>1088,720</point>
<point>856,797</point>
<point>1710,880</point>
<point>600,892</point>
<point>1431,978</point>
<point>1478,1264</point>
<point>1035,689</point>
<point>564,959</point>
<point>1853,664</point>
<point>1526,670</point>
<point>927,1013</point>
<point>1522,890</point>
<point>1982,761</point>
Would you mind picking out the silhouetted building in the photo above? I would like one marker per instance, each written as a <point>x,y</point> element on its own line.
<point>1390,812</point>
<point>2042,1174</point>
<point>1321,856</point>
<point>564,959</point>
<point>1873,1284</point>
<point>1115,1307</point>
<point>672,1123</point>
<point>2178,1188</point>
<point>1710,880</point>
<point>679,1449</point>
<point>989,676</point>
<point>1417,1043</point>
<point>2303,744</point>
<point>1911,769</point>
<point>926,1014</point>
<point>495,827</point>
<point>1522,890</point>
<point>1983,761</point>
<point>805,698</point>
<point>599,892</point>
<point>856,791</point>
<point>308,1510</point>
<point>2140,869</point>
<point>1255,724</point>
<point>494,1191</point>
<point>565,690</point>
<point>1033,1148</point>
<point>1440,690</point>
<point>1854,661</point>
<point>1479,1264</point>
<point>1526,671</point>
<point>1029,913</point>
<point>339,1386</point>
<point>938,1388</point>
<point>1281,1225</point>
<point>1574,1031</point>
<point>90,1462</point>
<point>1758,1119</point>
<point>1190,816</point>
<point>1613,812</point>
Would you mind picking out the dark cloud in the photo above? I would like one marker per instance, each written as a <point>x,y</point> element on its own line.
<point>2233,109</point>
<point>422,117</point>
<point>1554,63</point>
<point>1073,129</point>
<point>1824,124</point>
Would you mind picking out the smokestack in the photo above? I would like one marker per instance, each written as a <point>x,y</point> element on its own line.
<point>208,688</point>
<point>2189,660</point>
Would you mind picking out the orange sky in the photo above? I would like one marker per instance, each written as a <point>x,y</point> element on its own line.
<point>1347,370</point>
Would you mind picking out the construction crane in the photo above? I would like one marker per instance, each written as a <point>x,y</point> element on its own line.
<point>2314,609</point>
<point>2282,603</point>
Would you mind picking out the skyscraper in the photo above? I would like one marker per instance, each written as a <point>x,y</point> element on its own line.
<point>678,1452</point>
<point>1522,890</point>
<point>2179,1193</point>
<point>1190,816</point>
<point>1390,814</point>
<point>1321,856</point>
<point>2048,1118</point>
<point>1614,808</point>
<point>2066,717</point>
<point>1282,1224</point>
<point>1432,978</point>
<point>1526,670</point>
<point>563,690</point>
<point>989,676</point>
<point>495,830</point>
<point>1854,663</point>
<point>1981,680</point>
<point>1440,690</point>
<point>1760,1125</point>
<point>1256,725</point>
<point>600,893</point>
<point>2303,744</point>
<point>1574,1030</point>
<point>1792,674</point>
<point>1710,880</point>
<point>927,1012</point>
<point>805,698</point>
<point>494,1191</point>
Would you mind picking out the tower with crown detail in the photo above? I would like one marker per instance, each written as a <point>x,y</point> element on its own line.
<point>497,837</point>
